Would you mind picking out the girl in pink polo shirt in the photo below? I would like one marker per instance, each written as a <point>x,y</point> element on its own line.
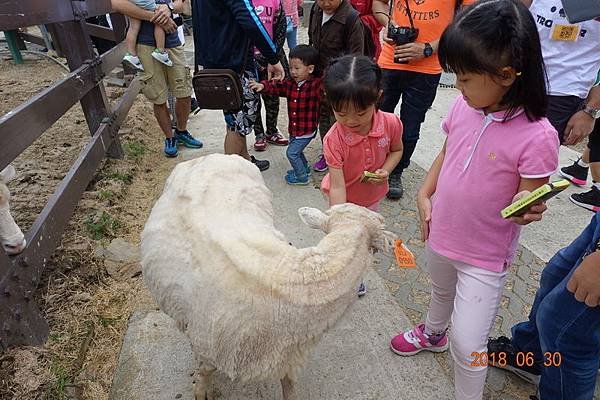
<point>498,147</point>
<point>362,139</point>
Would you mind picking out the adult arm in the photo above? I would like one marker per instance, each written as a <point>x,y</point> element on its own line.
<point>380,11</point>
<point>179,6</point>
<point>527,2</point>
<point>246,17</point>
<point>357,38</point>
<point>581,123</point>
<point>161,16</point>
<point>337,190</point>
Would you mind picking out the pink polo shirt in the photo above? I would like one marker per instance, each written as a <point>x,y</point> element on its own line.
<point>354,154</point>
<point>484,163</point>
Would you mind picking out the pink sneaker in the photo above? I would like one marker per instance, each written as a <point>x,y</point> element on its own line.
<point>321,164</point>
<point>413,341</point>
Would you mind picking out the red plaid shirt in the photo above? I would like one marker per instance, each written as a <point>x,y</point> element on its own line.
<point>303,103</point>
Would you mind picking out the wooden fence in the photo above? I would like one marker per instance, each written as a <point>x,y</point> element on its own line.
<point>21,321</point>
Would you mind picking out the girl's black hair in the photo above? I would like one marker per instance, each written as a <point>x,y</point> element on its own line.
<point>490,35</point>
<point>305,53</point>
<point>352,80</point>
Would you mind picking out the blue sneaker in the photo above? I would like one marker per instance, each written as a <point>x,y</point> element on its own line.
<point>292,179</point>
<point>362,290</point>
<point>171,147</point>
<point>187,140</point>
<point>308,171</point>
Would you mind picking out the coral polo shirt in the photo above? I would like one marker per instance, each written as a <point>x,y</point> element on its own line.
<point>354,154</point>
<point>484,162</point>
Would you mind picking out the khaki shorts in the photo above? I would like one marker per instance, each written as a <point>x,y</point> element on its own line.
<point>159,78</point>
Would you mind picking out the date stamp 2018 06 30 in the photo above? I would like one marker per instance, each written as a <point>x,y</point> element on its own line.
<point>483,359</point>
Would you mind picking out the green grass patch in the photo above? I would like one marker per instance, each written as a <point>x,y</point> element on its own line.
<point>134,149</point>
<point>107,321</point>
<point>101,225</point>
<point>61,380</point>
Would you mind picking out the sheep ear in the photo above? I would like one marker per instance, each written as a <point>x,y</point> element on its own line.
<point>385,242</point>
<point>312,217</point>
<point>8,174</point>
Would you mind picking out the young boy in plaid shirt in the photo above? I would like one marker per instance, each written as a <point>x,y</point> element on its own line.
<point>303,93</point>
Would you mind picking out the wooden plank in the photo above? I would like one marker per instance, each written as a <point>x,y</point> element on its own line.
<point>28,37</point>
<point>23,125</point>
<point>113,58</point>
<point>19,13</point>
<point>101,32</point>
<point>119,24</point>
<point>46,232</point>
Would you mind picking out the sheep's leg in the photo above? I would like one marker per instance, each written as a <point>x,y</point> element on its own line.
<point>203,383</point>
<point>289,389</point>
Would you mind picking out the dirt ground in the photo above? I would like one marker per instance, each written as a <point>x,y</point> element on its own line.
<point>87,309</point>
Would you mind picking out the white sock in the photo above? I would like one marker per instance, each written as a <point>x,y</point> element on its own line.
<point>582,163</point>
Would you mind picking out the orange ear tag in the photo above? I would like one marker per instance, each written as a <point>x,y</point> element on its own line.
<point>404,257</point>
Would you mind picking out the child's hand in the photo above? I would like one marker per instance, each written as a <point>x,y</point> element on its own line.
<point>257,87</point>
<point>534,213</point>
<point>382,177</point>
<point>424,206</point>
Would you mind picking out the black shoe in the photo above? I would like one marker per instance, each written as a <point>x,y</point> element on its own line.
<point>396,190</point>
<point>263,165</point>
<point>502,354</point>
<point>589,200</point>
<point>575,173</point>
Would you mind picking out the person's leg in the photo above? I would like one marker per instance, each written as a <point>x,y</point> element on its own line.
<point>591,155</point>
<point>180,83</point>
<point>294,155</point>
<point>478,294</point>
<point>161,112</point>
<point>132,34</point>
<point>272,111</point>
<point>570,344</point>
<point>392,90</point>
<point>259,130</point>
<point>159,37</point>
<point>326,118</point>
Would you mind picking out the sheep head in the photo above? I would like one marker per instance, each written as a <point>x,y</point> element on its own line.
<point>350,214</point>
<point>11,237</point>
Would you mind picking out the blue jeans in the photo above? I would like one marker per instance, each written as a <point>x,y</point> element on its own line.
<point>295,154</point>
<point>558,323</point>
<point>418,92</point>
<point>292,37</point>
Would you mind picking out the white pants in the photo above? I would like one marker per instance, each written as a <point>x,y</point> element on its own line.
<point>468,297</point>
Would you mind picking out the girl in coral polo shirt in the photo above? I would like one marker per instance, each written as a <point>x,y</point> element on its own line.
<point>362,139</point>
<point>498,147</point>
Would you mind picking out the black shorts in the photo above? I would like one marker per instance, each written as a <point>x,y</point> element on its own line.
<point>560,110</point>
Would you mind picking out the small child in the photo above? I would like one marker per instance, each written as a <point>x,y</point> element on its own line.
<point>303,93</point>
<point>362,139</point>
<point>499,146</point>
<point>159,54</point>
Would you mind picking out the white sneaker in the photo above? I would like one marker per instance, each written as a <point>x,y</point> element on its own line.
<point>162,57</point>
<point>134,61</point>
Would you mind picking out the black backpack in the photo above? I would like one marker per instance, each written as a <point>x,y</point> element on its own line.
<point>369,46</point>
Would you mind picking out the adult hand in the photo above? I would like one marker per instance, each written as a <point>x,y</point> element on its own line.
<point>585,281</point>
<point>424,206</point>
<point>409,52</point>
<point>382,177</point>
<point>534,213</point>
<point>276,72</point>
<point>162,17</point>
<point>579,126</point>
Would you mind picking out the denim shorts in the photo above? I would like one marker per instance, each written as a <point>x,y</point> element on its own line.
<point>145,4</point>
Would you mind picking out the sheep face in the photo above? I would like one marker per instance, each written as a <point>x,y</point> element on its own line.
<point>11,237</point>
<point>348,213</point>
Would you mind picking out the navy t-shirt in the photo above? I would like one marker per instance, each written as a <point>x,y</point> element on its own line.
<point>146,35</point>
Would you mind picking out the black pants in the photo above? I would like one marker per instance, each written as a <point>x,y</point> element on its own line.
<point>418,92</point>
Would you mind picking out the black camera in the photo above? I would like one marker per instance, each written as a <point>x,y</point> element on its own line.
<point>402,35</point>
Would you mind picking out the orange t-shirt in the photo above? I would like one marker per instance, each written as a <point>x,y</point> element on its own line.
<point>431,17</point>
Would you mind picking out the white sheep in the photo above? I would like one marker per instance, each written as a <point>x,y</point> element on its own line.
<point>252,305</point>
<point>11,237</point>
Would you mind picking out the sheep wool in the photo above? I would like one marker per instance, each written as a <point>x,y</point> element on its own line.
<point>252,305</point>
